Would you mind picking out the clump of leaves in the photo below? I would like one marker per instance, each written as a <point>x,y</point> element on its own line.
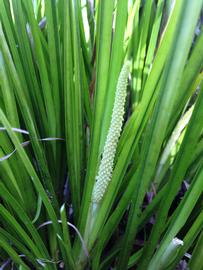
<point>60,109</point>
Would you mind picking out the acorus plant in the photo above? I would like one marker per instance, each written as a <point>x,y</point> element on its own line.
<point>101,134</point>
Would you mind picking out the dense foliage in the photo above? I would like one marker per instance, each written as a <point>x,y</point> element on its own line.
<point>94,175</point>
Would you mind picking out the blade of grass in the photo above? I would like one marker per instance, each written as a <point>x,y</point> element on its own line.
<point>153,40</point>
<point>189,239</point>
<point>66,237</point>
<point>11,252</point>
<point>140,53</point>
<point>8,96</point>
<point>28,66</point>
<point>195,261</point>
<point>47,91</point>
<point>74,106</point>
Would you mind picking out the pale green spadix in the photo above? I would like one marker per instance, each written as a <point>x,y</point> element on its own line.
<point>106,166</point>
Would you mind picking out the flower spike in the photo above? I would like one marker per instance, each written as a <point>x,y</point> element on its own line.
<point>106,166</point>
